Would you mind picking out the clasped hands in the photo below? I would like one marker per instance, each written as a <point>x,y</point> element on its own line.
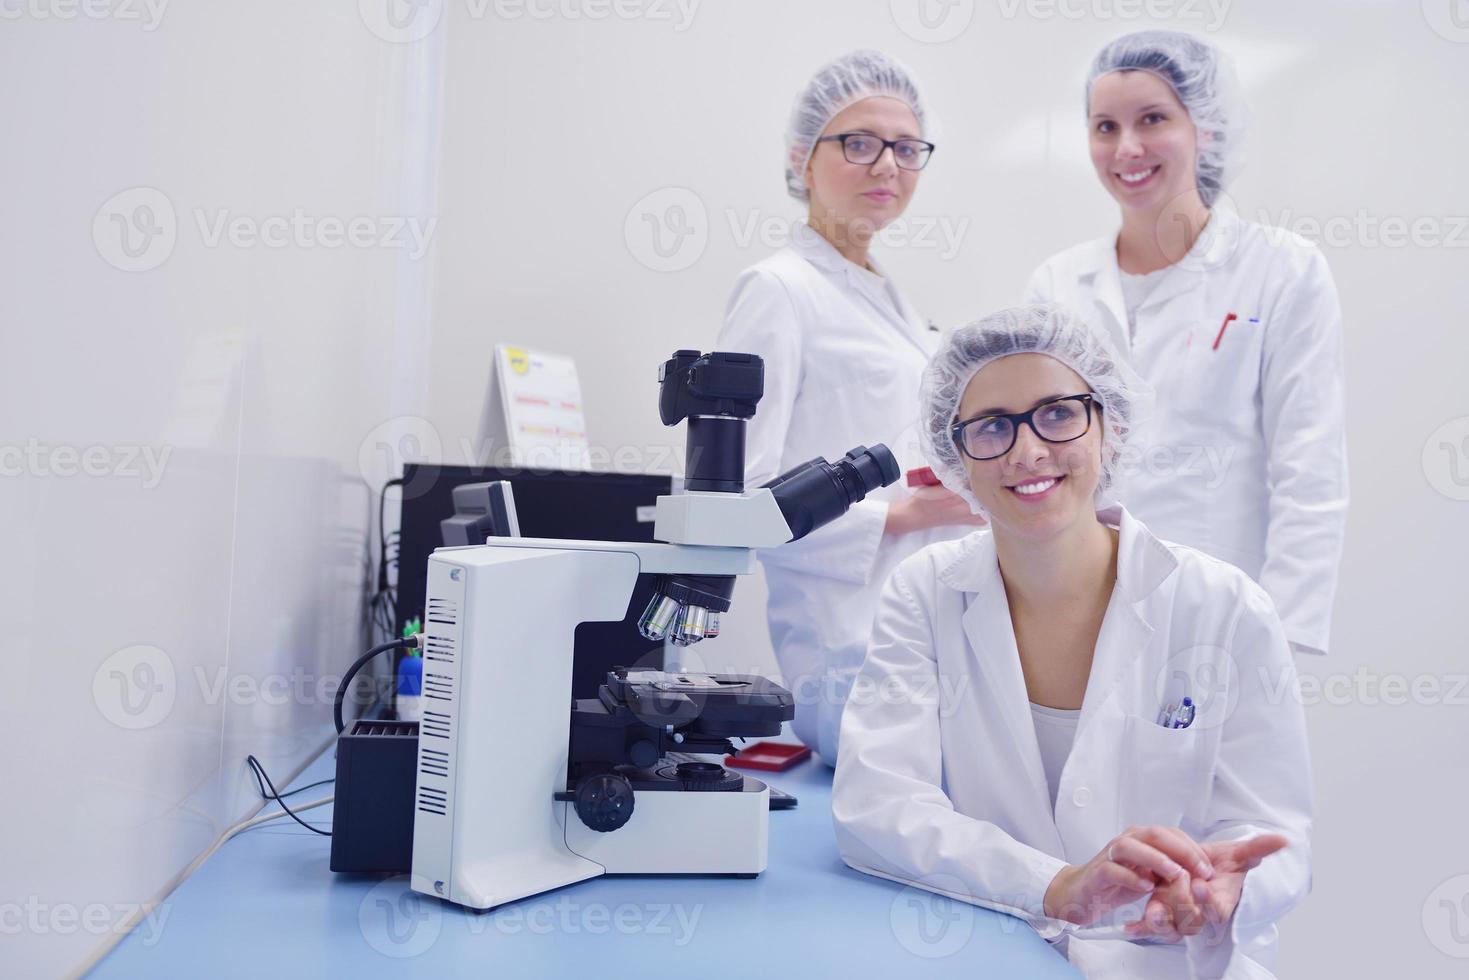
<point>1193,885</point>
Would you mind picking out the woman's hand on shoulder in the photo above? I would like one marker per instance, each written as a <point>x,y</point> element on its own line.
<point>934,507</point>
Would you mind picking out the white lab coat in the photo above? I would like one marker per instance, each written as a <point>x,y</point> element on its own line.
<point>940,781</point>
<point>844,354</point>
<point>1245,454</point>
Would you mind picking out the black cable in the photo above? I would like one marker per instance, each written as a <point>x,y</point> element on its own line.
<point>382,533</point>
<point>366,582</point>
<point>260,774</point>
<point>289,792</point>
<point>256,769</point>
<point>406,643</point>
<point>319,782</point>
<point>389,623</point>
<point>380,612</point>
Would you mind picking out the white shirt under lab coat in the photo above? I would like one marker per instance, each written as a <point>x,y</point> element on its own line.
<point>940,781</point>
<point>844,354</point>
<point>1245,455</point>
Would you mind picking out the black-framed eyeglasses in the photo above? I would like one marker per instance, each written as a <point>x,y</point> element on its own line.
<point>1058,420</point>
<point>865,149</point>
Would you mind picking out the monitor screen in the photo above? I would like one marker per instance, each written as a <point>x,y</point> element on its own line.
<point>550,504</point>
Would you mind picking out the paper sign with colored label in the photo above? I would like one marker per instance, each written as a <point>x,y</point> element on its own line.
<point>533,412</point>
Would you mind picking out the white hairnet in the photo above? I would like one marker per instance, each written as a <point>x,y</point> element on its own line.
<point>1204,81</point>
<point>1044,329</point>
<point>843,82</point>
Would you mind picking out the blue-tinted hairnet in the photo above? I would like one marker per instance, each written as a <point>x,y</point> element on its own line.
<point>1042,329</point>
<point>1205,83</point>
<point>837,85</point>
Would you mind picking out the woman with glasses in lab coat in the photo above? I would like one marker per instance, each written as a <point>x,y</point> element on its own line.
<point>1064,717</point>
<point>1236,325</point>
<point>843,353</point>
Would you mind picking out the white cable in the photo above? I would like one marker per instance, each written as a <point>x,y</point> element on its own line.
<point>245,825</point>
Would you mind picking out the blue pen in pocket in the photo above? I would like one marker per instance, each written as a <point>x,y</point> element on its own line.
<point>1185,715</point>
<point>1178,710</point>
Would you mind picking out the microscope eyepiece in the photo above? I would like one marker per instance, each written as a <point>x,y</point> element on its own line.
<point>686,608</point>
<point>717,393</point>
<point>875,467</point>
<point>816,492</point>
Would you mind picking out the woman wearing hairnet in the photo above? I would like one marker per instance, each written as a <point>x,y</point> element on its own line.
<point>1236,325</point>
<point>1065,718</point>
<point>843,355</point>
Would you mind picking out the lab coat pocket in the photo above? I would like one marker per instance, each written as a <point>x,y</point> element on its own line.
<point>1159,772</point>
<point>1219,384</point>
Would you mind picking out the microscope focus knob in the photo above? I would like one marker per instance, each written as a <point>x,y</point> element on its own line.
<point>604,801</point>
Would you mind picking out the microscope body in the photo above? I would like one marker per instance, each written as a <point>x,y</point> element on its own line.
<point>519,788</point>
<point>498,638</point>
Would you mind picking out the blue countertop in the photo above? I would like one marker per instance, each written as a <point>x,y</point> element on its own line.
<point>267,905</point>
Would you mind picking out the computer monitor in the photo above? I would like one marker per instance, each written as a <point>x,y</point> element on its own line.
<point>549,504</point>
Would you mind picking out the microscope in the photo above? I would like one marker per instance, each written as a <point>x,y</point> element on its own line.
<point>506,805</point>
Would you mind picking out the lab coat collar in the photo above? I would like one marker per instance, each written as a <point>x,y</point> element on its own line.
<point>817,250</point>
<point>1143,561</point>
<point>1219,241</point>
<point>823,255</point>
<point>1098,267</point>
<point>1217,244</point>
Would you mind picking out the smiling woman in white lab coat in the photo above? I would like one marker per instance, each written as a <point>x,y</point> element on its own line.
<point>843,355</point>
<point>1236,325</point>
<point>1017,737</point>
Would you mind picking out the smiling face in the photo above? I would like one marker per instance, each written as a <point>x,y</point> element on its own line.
<point>1038,488</point>
<point>1143,142</point>
<point>864,197</point>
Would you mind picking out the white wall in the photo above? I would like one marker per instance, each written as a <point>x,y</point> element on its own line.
<point>557,128</point>
<point>152,621</point>
<point>278,380</point>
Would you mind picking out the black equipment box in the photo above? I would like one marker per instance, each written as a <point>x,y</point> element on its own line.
<point>372,817</point>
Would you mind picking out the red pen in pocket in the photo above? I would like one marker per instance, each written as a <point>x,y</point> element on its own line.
<point>1220,336</point>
